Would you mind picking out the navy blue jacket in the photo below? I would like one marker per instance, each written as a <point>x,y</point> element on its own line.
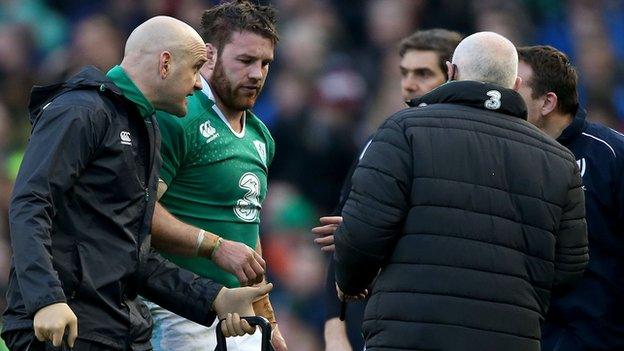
<point>594,310</point>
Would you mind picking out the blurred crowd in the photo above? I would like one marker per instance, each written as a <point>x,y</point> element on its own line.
<point>336,77</point>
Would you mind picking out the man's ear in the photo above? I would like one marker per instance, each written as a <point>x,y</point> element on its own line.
<point>450,71</point>
<point>550,103</point>
<point>517,84</point>
<point>211,53</point>
<point>164,64</point>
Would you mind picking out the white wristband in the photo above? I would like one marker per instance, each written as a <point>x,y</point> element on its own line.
<point>200,239</point>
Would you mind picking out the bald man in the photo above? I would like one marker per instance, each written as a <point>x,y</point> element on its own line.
<point>465,214</point>
<point>83,202</point>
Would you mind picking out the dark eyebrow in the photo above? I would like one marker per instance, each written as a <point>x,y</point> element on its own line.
<point>416,70</point>
<point>423,70</point>
<point>247,56</point>
<point>252,57</point>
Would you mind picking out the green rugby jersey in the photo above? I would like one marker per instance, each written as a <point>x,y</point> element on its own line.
<point>216,178</point>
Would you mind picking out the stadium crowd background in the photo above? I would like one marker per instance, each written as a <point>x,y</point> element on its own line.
<point>335,79</point>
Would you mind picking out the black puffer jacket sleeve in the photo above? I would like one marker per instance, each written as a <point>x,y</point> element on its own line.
<point>63,140</point>
<point>332,304</point>
<point>375,209</point>
<point>571,249</point>
<point>178,290</point>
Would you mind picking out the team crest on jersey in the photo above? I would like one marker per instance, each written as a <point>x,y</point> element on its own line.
<point>261,148</point>
<point>208,131</point>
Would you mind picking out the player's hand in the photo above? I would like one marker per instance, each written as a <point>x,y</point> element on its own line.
<point>51,321</point>
<point>277,340</point>
<point>233,325</point>
<point>325,232</point>
<point>238,300</point>
<point>336,336</point>
<point>343,297</point>
<point>241,260</point>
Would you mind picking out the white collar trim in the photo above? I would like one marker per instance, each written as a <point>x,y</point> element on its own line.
<point>208,92</point>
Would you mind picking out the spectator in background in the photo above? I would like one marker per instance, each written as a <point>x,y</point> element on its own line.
<point>423,68</point>
<point>319,140</point>
<point>297,268</point>
<point>379,61</point>
<point>465,213</point>
<point>589,317</point>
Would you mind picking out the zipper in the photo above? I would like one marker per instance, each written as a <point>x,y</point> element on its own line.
<point>146,194</point>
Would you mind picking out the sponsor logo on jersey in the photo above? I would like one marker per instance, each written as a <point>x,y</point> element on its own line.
<point>208,131</point>
<point>125,137</point>
<point>261,148</point>
<point>248,208</point>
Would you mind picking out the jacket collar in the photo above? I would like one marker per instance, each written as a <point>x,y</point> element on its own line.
<point>575,128</point>
<point>130,90</point>
<point>88,77</point>
<point>480,95</point>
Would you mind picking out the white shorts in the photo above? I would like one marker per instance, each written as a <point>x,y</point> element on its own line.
<point>172,333</point>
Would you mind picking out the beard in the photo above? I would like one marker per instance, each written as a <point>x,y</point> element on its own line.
<point>231,96</point>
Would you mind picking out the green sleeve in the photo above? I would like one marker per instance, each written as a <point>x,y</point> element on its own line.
<point>173,145</point>
<point>270,148</point>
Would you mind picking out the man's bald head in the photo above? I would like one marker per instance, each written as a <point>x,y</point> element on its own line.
<point>162,57</point>
<point>158,34</point>
<point>487,57</point>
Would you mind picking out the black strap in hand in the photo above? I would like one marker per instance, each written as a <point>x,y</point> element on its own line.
<point>262,322</point>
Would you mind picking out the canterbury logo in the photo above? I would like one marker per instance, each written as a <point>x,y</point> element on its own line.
<point>125,137</point>
<point>207,131</point>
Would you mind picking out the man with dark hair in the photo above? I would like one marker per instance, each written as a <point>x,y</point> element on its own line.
<point>465,214</point>
<point>423,60</point>
<point>214,174</point>
<point>84,199</point>
<point>423,68</point>
<point>590,316</point>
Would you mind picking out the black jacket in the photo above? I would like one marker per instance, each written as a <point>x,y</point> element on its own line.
<point>472,214</point>
<point>594,310</point>
<point>80,218</point>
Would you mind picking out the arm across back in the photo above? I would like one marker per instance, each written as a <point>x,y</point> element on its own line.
<point>178,290</point>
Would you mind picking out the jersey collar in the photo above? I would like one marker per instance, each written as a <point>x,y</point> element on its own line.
<point>209,94</point>
<point>575,128</point>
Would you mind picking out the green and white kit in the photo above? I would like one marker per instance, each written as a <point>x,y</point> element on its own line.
<point>216,178</point>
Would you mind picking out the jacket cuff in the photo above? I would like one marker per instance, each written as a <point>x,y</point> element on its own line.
<point>205,294</point>
<point>55,296</point>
